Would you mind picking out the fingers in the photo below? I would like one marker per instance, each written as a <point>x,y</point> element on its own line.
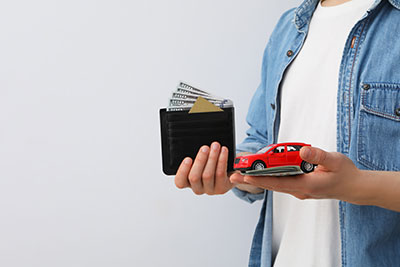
<point>222,181</point>
<point>237,179</point>
<point>208,173</point>
<point>281,184</point>
<point>181,177</point>
<point>209,170</point>
<point>196,173</point>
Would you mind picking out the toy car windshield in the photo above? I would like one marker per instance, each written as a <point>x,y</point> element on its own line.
<point>265,149</point>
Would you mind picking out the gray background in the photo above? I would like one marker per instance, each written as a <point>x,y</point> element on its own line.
<point>81,83</point>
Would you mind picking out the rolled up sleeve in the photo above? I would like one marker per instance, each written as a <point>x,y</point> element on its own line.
<point>246,196</point>
<point>252,146</point>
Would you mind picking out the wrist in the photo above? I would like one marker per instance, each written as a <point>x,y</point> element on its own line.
<point>377,188</point>
<point>382,189</point>
<point>364,190</point>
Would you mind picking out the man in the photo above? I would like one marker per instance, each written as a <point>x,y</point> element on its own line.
<point>330,77</point>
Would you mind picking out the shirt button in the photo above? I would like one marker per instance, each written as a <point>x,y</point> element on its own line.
<point>289,53</point>
<point>397,112</point>
<point>366,86</point>
<point>273,106</point>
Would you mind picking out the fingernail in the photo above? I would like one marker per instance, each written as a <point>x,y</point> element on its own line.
<point>306,152</point>
<point>204,149</point>
<point>187,161</point>
<point>214,146</point>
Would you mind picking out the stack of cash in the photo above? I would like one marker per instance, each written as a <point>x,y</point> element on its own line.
<point>186,95</point>
<point>275,171</point>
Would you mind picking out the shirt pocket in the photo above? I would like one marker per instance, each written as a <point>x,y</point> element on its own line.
<point>379,126</point>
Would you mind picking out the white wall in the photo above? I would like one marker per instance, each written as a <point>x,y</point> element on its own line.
<point>81,83</point>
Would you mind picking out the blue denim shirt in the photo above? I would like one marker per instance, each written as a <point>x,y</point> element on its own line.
<point>368,119</point>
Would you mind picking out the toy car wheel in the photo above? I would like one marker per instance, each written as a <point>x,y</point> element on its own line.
<point>258,165</point>
<point>307,167</point>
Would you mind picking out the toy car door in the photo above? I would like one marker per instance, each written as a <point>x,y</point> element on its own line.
<point>277,156</point>
<point>292,154</point>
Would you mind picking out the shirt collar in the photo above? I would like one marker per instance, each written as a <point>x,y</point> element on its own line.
<point>303,13</point>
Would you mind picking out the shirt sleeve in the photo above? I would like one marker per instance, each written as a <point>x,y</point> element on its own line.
<point>257,136</point>
<point>246,196</point>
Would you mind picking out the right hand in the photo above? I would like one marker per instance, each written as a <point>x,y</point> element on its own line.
<point>208,173</point>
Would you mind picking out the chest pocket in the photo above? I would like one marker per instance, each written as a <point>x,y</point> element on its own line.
<point>379,126</point>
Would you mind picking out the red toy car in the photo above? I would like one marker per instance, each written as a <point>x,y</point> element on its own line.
<point>275,155</point>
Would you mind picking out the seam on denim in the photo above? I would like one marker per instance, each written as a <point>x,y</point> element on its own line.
<point>343,232</point>
<point>346,80</point>
<point>361,38</point>
<point>347,52</point>
<point>374,166</point>
<point>385,85</point>
<point>381,114</point>
<point>371,110</point>
<point>395,3</point>
<point>299,22</point>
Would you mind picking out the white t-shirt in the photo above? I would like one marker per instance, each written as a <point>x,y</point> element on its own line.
<point>306,232</point>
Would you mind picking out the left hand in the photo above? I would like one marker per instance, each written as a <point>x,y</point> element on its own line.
<point>336,177</point>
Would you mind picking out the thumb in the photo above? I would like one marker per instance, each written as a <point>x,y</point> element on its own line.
<point>319,157</point>
<point>236,178</point>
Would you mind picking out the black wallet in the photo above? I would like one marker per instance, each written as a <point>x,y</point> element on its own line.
<point>183,133</point>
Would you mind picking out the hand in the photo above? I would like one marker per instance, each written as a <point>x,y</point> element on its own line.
<point>336,177</point>
<point>208,173</point>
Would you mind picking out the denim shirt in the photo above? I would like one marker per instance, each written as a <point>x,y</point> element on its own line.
<point>368,120</point>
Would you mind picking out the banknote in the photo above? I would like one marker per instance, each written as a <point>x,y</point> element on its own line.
<point>178,108</point>
<point>275,171</point>
<point>184,106</point>
<point>193,96</point>
<point>184,102</point>
<point>192,92</point>
<point>185,95</point>
<point>190,87</point>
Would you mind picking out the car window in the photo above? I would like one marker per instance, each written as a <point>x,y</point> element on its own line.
<point>263,150</point>
<point>279,149</point>
<point>293,148</point>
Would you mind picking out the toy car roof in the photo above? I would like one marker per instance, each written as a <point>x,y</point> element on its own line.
<point>290,143</point>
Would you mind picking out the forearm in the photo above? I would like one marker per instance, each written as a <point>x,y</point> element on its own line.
<point>380,188</point>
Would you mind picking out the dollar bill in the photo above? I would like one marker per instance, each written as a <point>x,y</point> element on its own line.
<point>185,95</point>
<point>193,96</point>
<point>191,92</point>
<point>275,171</point>
<point>189,102</point>
<point>173,108</point>
<point>191,88</point>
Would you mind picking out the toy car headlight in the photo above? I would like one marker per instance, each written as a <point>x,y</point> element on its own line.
<point>244,160</point>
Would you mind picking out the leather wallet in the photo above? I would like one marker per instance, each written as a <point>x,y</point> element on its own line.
<point>183,133</point>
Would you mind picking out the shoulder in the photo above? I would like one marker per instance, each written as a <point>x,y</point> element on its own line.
<point>284,26</point>
<point>282,35</point>
<point>287,17</point>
